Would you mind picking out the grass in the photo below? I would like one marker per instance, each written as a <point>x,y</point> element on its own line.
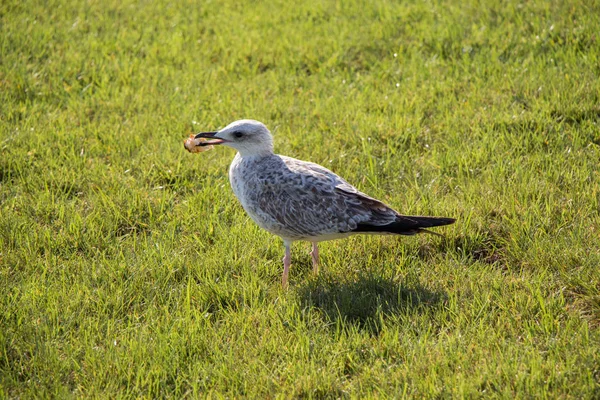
<point>128,269</point>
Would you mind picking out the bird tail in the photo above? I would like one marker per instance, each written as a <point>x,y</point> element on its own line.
<point>406,225</point>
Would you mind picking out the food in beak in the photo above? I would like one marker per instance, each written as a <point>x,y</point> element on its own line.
<point>194,145</point>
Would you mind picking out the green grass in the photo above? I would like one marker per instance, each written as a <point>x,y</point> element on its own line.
<point>128,269</point>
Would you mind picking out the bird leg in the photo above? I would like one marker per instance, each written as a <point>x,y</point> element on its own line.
<point>315,257</point>
<point>287,261</point>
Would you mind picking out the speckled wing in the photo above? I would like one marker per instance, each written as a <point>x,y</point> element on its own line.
<point>298,199</point>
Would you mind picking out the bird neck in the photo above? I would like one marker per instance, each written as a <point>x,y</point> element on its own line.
<point>255,153</point>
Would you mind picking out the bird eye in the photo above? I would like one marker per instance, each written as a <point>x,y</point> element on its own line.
<point>238,134</point>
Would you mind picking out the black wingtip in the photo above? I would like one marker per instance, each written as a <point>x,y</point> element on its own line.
<point>406,225</point>
<point>435,221</point>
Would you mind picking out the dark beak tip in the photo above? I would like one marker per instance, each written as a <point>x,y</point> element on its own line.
<point>205,135</point>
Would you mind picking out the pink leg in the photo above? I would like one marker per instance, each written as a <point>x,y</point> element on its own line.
<point>287,261</point>
<point>315,257</point>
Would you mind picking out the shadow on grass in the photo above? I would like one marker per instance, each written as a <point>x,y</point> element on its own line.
<point>367,301</point>
<point>478,247</point>
<point>575,116</point>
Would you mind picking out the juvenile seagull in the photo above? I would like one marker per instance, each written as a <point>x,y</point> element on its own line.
<point>300,200</point>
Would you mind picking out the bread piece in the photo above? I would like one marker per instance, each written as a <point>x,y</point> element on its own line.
<point>194,145</point>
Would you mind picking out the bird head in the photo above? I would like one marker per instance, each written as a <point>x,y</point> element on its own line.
<point>248,137</point>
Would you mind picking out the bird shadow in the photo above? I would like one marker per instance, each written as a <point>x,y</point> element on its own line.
<point>367,301</point>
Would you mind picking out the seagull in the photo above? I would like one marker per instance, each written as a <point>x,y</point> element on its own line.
<point>302,201</point>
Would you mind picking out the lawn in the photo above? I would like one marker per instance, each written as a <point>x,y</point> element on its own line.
<point>129,270</point>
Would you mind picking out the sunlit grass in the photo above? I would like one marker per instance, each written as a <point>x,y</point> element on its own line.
<point>128,268</point>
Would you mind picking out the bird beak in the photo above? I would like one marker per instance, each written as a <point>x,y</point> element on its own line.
<point>209,135</point>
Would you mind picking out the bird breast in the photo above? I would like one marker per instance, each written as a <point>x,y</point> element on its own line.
<point>247,184</point>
